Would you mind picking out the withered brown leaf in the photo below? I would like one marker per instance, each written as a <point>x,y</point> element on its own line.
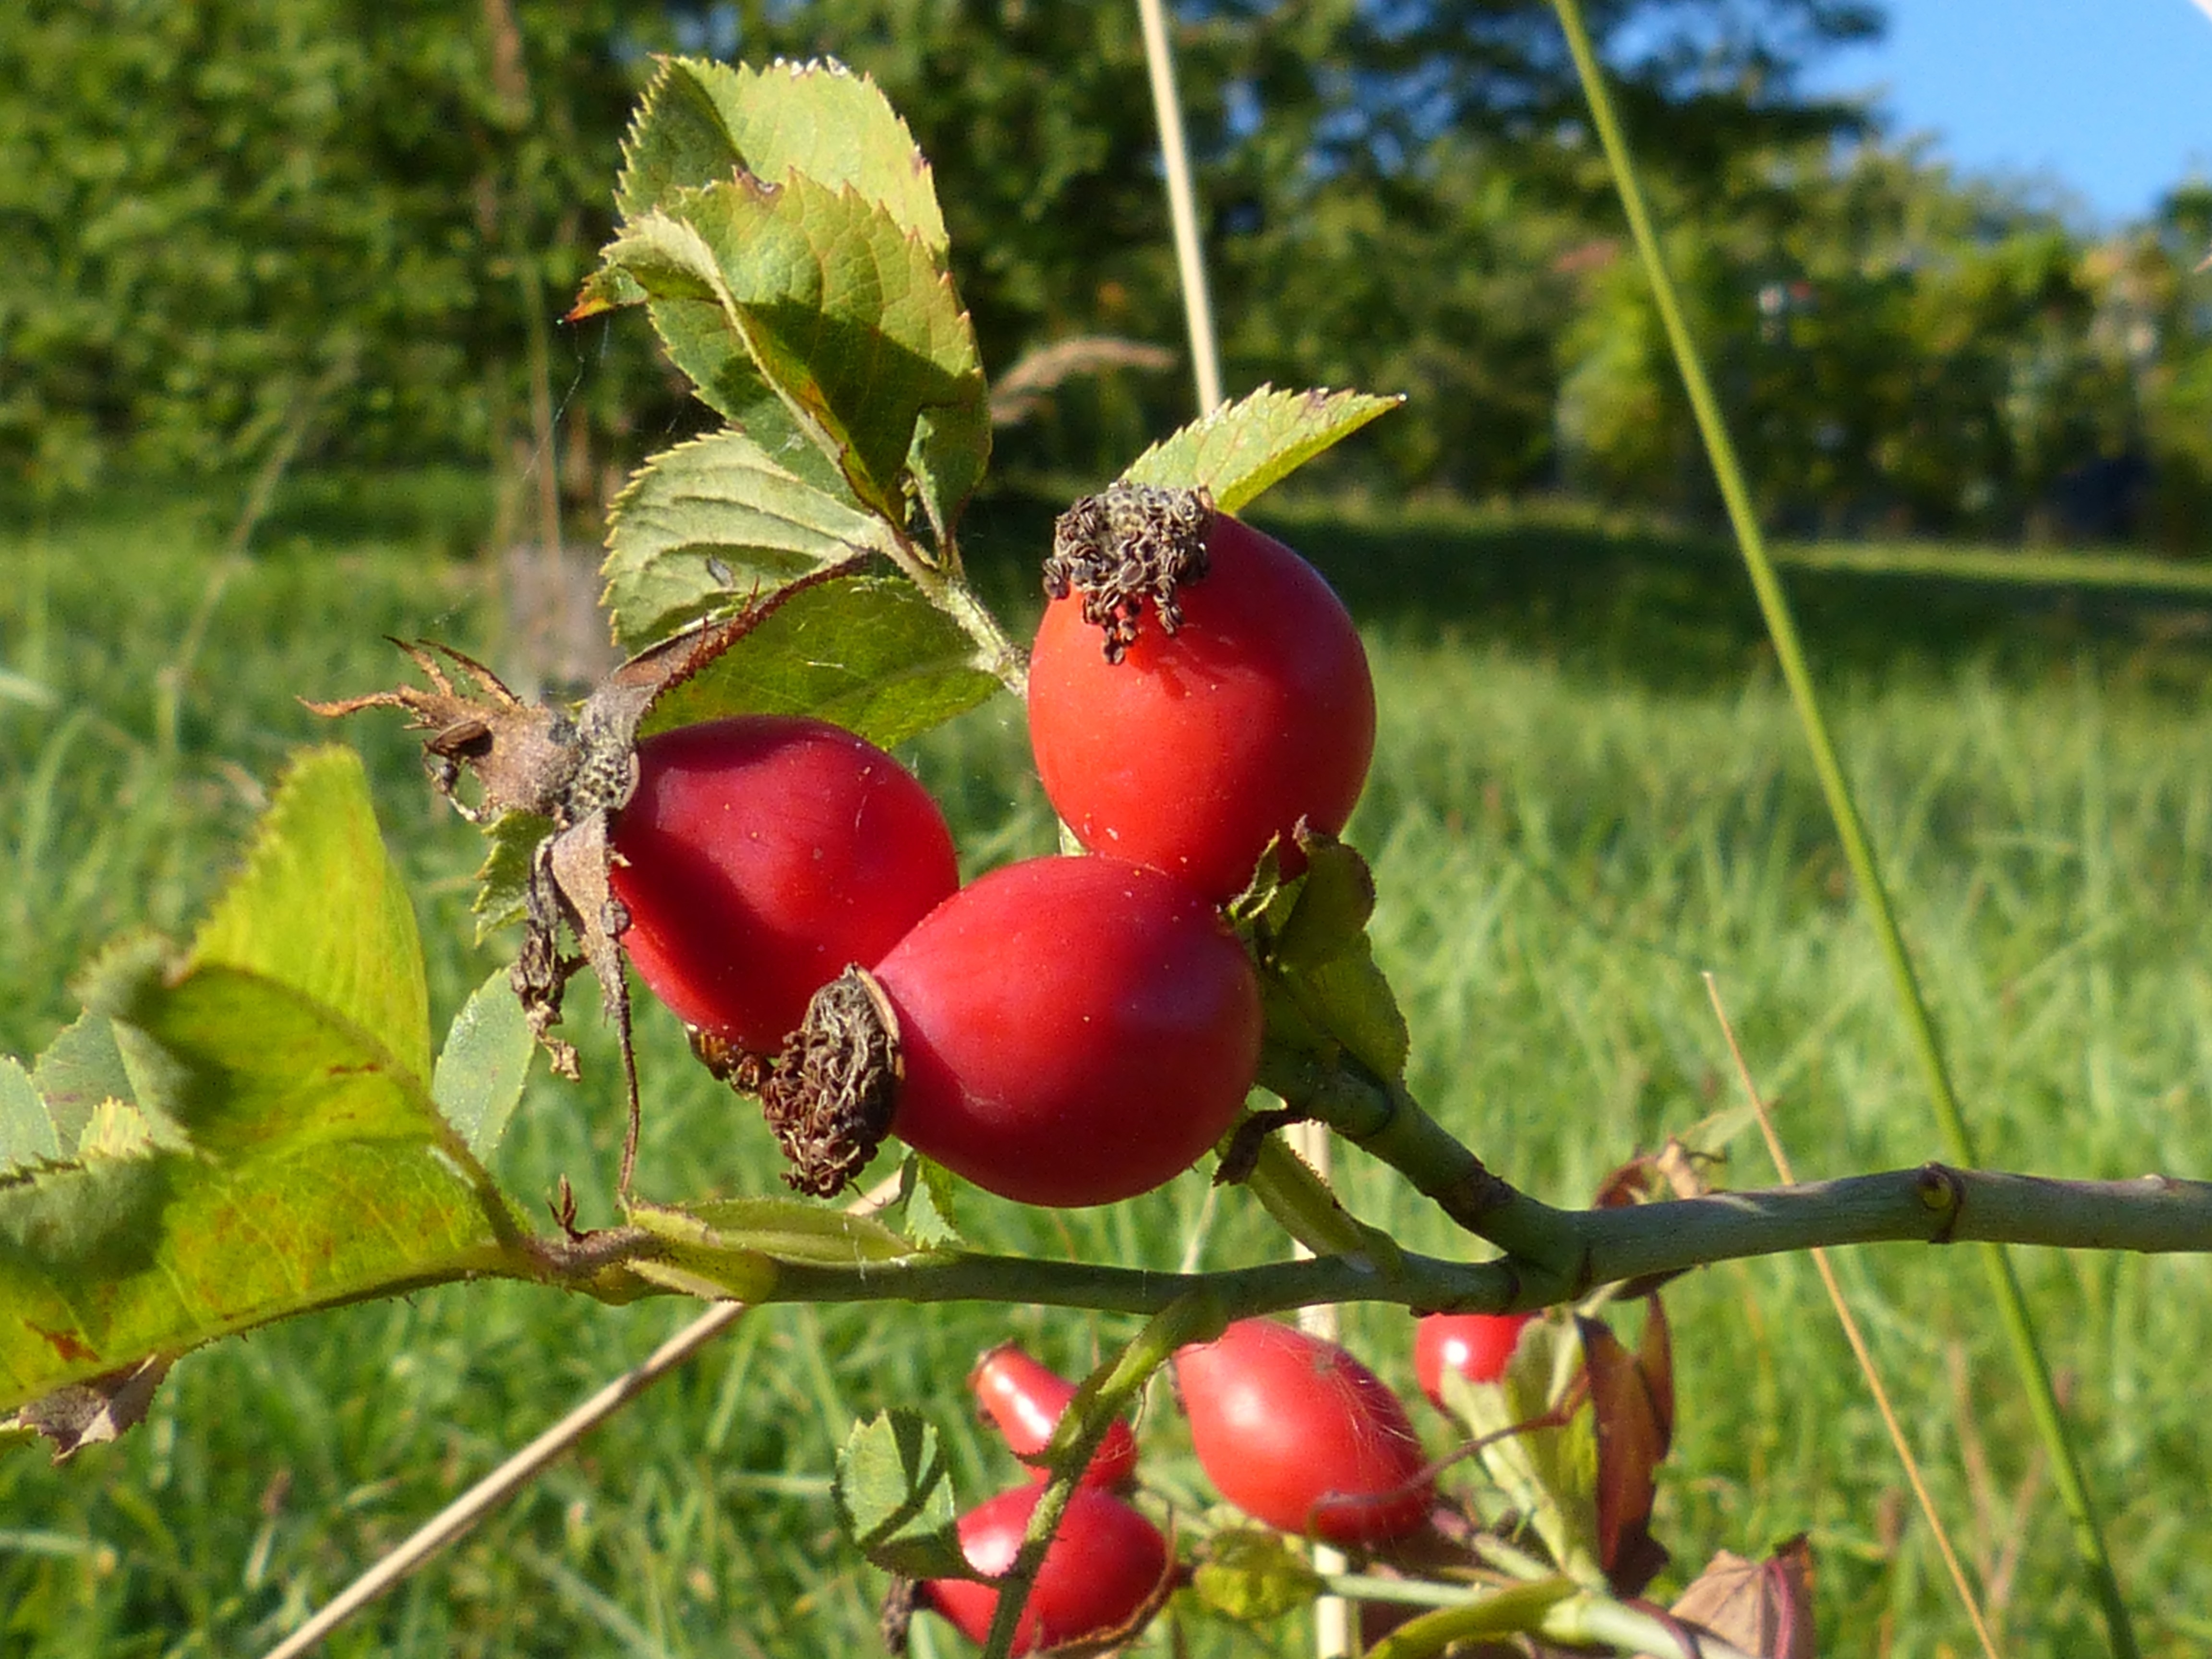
<point>1764,1607</point>
<point>97,1410</point>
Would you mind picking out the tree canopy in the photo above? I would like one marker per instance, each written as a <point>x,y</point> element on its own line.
<point>230,215</point>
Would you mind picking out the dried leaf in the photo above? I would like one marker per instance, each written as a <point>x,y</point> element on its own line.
<point>1764,1607</point>
<point>1634,1412</point>
<point>93,1413</point>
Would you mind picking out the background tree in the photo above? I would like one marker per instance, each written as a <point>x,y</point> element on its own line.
<point>213,207</point>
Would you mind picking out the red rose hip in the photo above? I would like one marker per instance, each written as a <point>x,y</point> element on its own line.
<point>1102,1569</point>
<point>1074,1030</point>
<point>1204,727</point>
<point>761,855</point>
<point>1027,1399</point>
<point>1477,1346</point>
<point>1298,1434</point>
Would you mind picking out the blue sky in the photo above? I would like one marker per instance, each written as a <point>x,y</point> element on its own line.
<point>2112,99</point>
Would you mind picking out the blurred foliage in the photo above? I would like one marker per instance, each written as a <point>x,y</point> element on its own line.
<point>236,215</point>
<point>1903,351</point>
<point>218,209</point>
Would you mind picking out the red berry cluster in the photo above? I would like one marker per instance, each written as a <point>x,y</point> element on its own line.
<point>1067,1030</point>
<point>1291,1430</point>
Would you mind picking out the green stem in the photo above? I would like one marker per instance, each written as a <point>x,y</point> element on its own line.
<point>1933,1204</point>
<point>1383,1120</point>
<point>947,587</point>
<point>1197,1316</point>
<point>1858,851</point>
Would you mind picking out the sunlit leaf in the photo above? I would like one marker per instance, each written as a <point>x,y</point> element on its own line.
<point>81,1068</point>
<point>485,1064</point>
<point>1321,985</point>
<point>319,910</point>
<point>926,1203</point>
<point>510,840</point>
<point>895,1497</point>
<point>27,1136</point>
<point>699,120</point>
<point>1254,1576</point>
<point>717,521</point>
<point>868,654</point>
<point>1546,1467</point>
<point>286,1156</point>
<point>1241,449</point>
<point>845,314</point>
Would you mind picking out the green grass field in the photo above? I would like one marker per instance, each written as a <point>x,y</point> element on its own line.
<point>1590,788</point>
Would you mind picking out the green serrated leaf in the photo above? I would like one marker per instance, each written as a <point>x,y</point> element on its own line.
<point>317,1170</point>
<point>115,1129</point>
<point>895,1497</point>
<point>27,1136</point>
<point>1254,1576</point>
<point>927,1192</point>
<point>700,119</point>
<point>719,501</point>
<point>868,654</point>
<point>847,316</point>
<point>1241,449</point>
<point>1302,1205</point>
<point>952,447</point>
<point>510,841</point>
<point>319,910</point>
<point>699,340</point>
<point>485,1061</point>
<point>81,1068</point>
<point>105,1264</point>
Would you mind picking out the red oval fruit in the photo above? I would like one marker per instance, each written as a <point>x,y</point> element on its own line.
<point>1027,1399</point>
<point>1296,1432</point>
<point>1198,746</point>
<point>1098,1574</point>
<point>1075,1031</point>
<point>1476,1346</point>
<point>759,856</point>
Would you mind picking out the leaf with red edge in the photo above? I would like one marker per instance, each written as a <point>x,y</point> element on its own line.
<point>1765,1608</point>
<point>1635,1411</point>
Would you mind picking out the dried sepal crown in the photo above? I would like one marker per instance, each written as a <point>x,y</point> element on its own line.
<point>524,754</point>
<point>830,1097</point>
<point>1128,543</point>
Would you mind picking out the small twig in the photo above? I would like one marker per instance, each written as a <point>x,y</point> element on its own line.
<point>1852,1335</point>
<point>503,1482</point>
